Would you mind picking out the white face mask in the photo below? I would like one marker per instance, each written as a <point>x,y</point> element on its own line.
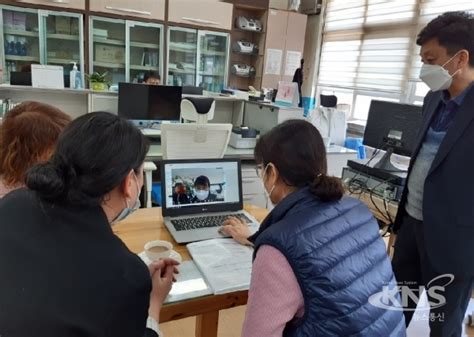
<point>267,194</point>
<point>128,210</point>
<point>202,194</point>
<point>436,77</point>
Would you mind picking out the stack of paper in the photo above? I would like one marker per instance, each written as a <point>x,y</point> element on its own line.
<point>225,264</point>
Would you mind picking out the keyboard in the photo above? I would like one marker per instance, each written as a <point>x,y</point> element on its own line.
<point>205,221</point>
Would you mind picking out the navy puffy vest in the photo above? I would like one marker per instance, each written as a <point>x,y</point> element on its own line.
<point>339,260</point>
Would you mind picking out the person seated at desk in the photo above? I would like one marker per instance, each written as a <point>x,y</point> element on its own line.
<point>64,272</point>
<point>28,135</point>
<point>180,196</point>
<point>318,255</point>
<point>202,193</point>
<point>152,78</point>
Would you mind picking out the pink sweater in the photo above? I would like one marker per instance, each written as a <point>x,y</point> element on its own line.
<point>275,296</point>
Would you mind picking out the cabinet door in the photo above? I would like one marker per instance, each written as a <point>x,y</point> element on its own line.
<point>149,9</point>
<point>295,37</point>
<point>276,36</point>
<point>107,48</point>
<point>63,38</point>
<point>202,13</point>
<point>182,51</point>
<point>20,40</point>
<point>66,4</point>
<point>212,57</point>
<point>144,49</point>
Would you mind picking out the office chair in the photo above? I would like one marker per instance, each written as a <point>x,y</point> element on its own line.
<point>328,101</point>
<point>194,141</point>
<point>197,109</point>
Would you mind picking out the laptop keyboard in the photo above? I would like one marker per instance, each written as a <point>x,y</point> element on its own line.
<point>205,221</point>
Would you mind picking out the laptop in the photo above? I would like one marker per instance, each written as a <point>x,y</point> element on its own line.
<point>199,195</point>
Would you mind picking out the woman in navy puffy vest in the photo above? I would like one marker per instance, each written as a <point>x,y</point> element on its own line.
<point>320,266</point>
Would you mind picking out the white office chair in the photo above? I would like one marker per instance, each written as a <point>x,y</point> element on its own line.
<point>148,169</point>
<point>194,141</point>
<point>199,110</point>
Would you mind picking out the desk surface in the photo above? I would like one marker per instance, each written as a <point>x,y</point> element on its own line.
<point>146,225</point>
<point>155,152</point>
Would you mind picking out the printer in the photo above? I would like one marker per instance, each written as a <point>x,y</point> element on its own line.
<point>244,23</point>
<point>243,70</point>
<point>243,137</point>
<point>244,47</point>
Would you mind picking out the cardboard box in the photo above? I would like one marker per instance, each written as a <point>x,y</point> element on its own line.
<point>63,25</point>
<point>112,54</point>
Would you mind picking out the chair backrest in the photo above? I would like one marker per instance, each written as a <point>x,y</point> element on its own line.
<point>194,141</point>
<point>197,109</point>
<point>328,101</point>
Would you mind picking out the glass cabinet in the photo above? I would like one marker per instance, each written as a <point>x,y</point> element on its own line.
<point>21,39</point>
<point>144,49</point>
<point>62,34</point>
<point>125,49</point>
<point>31,36</point>
<point>212,51</point>
<point>182,53</point>
<point>107,48</point>
<point>197,58</point>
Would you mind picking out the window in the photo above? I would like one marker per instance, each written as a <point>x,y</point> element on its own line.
<point>369,50</point>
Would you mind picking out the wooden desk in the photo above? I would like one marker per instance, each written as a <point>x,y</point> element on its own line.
<point>147,225</point>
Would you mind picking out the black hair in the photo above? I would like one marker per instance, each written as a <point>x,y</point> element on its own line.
<point>297,150</point>
<point>151,74</point>
<point>453,30</point>
<point>93,156</point>
<point>202,181</point>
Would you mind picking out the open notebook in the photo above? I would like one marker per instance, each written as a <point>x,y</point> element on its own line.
<point>225,264</point>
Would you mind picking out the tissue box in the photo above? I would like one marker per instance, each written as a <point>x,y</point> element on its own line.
<point>109,54</point>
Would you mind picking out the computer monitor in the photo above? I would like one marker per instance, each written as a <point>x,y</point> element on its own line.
<point>394,128</point>
<point>190,90</point>
<point>148,105</point>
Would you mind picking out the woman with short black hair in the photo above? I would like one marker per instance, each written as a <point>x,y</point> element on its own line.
<point>318,255</point>
<point>64,272</point>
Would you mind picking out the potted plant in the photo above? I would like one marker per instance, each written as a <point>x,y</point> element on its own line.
<point>98,82</point>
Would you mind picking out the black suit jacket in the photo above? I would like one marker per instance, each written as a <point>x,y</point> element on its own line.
<point>64,273</point>
<point>448,201</point>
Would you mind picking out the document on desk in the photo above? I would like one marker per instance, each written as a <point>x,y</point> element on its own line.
<point>225,264</point>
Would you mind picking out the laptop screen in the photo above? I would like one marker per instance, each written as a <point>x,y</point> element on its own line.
<point>200,186</point>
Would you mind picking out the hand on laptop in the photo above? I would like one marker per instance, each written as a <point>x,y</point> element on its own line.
<point>238,229</point>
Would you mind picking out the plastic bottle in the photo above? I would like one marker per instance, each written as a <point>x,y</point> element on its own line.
<point>75,81</point>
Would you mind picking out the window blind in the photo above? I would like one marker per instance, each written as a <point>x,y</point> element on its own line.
<point>370,44</point>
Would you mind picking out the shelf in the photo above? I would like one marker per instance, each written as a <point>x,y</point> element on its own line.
<point>181,71</point>
<point>63,37</point>
<point>109,65</point>
<point>182,47</point>
<point>215,53</point>
<point>144,45</point>
<point>245,54</point>
<point>210,74</point>
<point>247,31</point>
<point>21,58</point>
<point>108,41</point>
<point>62,61</point>
<point>137,67</point>
<point>21,33</point>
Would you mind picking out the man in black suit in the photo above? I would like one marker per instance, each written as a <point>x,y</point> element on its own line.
<point>435,223</point>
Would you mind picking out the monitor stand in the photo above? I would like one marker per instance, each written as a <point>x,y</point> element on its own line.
<point>385,164</point>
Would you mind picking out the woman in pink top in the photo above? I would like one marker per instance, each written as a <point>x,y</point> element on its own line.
<point>28,135</point>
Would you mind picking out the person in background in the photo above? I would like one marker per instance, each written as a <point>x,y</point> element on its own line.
<point>152,78</point>
<point>202,193</point>
<point>318,256</point>
<point>28,135</point>
<point>180,195</point>
<point>64,272</point>
<point>298,78</point>
<point>435,222</point>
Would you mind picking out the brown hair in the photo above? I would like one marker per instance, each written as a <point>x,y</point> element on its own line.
<point>28,135</point>
<point>297,150</point>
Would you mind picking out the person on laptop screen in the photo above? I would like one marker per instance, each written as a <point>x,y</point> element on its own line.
<point>180,195</point>
<point>202,193</point>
